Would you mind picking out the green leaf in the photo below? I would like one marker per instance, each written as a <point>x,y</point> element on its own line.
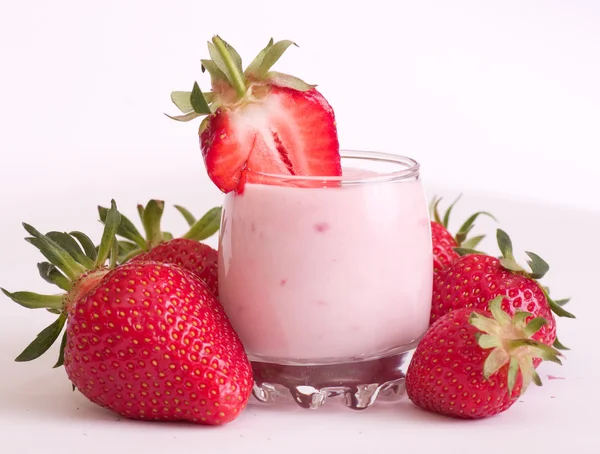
<point>468,225</point>
<point>273,54</point>
<point>72,247</point>
<point>559,346</point>
<point>43,341</point>
<point>513,369</point>
<point>126,229</point>
<point>216,75</point>
<point>520,317</point>
<point>558,310</point>
<point>225,60</point>
<point>114,254</point>
<point>285,80</point>
<point>185,118</point>
<point>534,326</point>
<point>183,102</point>
<point>32,300</point>
<point>51,274</point>
<point>510,264</point>
<point>473,242</point>
<point>505,244</point>
<point>86,243</point>
<point>495,360</point>
<point>253,67</point>
<point>189,217</point>
<point>167,236</point>
<point>496,309</point>
<point>536,378</point>
<point>562,302</point>
<point>446,220</point>
<point>140,210</point>
<point>152,215</point>
<point>198,101</point>
<point>61,352</point>
<point>206,226</point>
<point>435,210</point>
<point>488,341</point>
<point>111,227</point>
<point>55,254</point>
<point>538,266</point>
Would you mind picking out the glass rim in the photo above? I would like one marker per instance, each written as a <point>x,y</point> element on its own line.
<point>410,169</point>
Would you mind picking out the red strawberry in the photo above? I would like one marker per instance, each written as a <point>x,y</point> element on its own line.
<point>470,366</point>
<point>476,278</point>
<point>444,243</point>
<point>259,121</point>
<point>143,339</point>
<point>192,255</point>
<point>159,246</point>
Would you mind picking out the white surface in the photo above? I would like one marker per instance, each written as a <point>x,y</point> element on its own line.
<point>39,413</point>
<point>496,95</point>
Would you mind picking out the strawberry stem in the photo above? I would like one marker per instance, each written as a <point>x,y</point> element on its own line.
<point>237,79</point>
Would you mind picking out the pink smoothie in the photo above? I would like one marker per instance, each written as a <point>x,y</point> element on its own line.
<point>326,273</point>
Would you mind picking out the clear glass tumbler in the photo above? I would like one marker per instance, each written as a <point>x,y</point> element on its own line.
<point>328,281</point>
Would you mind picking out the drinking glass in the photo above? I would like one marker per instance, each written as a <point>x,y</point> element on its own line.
<point>328,280</point>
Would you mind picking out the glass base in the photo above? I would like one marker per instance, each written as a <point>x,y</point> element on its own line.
<point>358,384</point>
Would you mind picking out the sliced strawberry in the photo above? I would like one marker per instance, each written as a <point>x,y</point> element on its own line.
<point>260,121</point>
<point>287,132</point>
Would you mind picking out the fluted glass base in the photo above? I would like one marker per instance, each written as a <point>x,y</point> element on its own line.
<point>358,384</point>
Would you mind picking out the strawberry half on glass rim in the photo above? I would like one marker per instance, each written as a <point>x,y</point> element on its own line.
<point>259,121</point>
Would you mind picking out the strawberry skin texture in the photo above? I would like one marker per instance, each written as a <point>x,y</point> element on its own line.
<point>151,342</point>
<point>285,132</point>
<point>445,374</point>
<point>443,247</point>
<point>196,257</point>
<point>475,279</point>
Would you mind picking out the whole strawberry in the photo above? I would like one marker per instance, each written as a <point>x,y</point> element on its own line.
<point>477,278</point>
<point>471,365</point>
<point>259,121</point>
<point>196,257</point>
<point>444,243</point>
<point>144,339</point>
<point>187,251</point>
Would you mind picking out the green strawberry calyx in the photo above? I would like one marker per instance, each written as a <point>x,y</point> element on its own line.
<point>233,86</point>
<point>465,229</point>
<point>134,243</point>
<point>74,265</point>
<point>538,269</point>
<point>509,339</point>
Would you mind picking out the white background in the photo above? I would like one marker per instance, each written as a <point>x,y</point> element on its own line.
<point>496,96</point>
